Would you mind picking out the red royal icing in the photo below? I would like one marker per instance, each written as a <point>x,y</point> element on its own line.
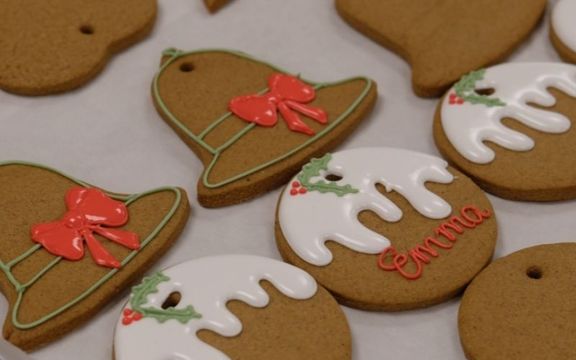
<point>288,95</point>
<point>89,211</point>
<point>422,254</point>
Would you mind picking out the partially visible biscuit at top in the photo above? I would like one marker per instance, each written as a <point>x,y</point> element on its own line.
<point>444,40</point>
<point>56,46</point>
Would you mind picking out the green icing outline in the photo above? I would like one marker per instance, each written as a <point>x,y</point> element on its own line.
<point>314,168</point>
<point>21,288</point>
<point>149,285</point>
<point>465,87</point>
<point>175,54</point>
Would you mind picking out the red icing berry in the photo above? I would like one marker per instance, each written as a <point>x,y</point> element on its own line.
<point>453,96</point>
<point>127,321</point>
<point>137,316</point>
<point>296,184</point>
<point>128,312</point>
<point>293,192</point>
<point>460,101</point>
<point>452,101</point>
<point>302,190</point>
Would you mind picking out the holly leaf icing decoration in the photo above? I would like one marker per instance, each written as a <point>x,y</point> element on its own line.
<point>149,286</point>
<point>465,89</point>
<point>313,169</point>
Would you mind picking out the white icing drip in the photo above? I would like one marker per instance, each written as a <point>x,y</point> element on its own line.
<point>207,284</point>
<point>309,220</point>
<point>467,126</point>
<point>564,22</point>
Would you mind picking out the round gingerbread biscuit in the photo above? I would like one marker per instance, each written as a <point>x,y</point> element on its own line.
<point>522,307</point>
<point>386,229</point>
<point>511,129</point>
<point>231,307</point>
<point>563,29</point>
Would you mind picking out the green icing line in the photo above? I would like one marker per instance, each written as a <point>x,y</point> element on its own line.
<point>466,86</point>
<point>21,288</point>
<point>313,169</point>
<point>149,286</point>
<point>175,54</point>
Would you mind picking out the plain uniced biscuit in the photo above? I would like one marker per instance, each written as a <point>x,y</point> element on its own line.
<point>521,306</point>
<point>55,46</point>
<point>443,40</point>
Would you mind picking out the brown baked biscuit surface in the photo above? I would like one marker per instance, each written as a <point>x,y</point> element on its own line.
<point>521,306</point>
<point>55,46</point>
<point>517,142</point>
<point>232,307</point>
<point>215,5</point>
<point>251,124</point>
<point>386,229</point>
<point>68,247</point>
<point>444,39</point>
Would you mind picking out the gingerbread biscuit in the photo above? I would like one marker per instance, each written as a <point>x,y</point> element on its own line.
<point>68,247</point>
<point>215,5</point>
<point>563,29</point>
<point>444,39</point>
<point>231,307</point>
<point>386,229</point>
<point>511,128</point>
<point>251,124</point>
<point>55,46</point>
<point>521,306</point>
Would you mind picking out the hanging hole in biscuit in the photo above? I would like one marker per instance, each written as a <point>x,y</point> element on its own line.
<point>87,29</point>
<point>485,92</point>
<point>172,300</point>
<point>332,177</point>
<point>534,272</point>
<point>186,67</point>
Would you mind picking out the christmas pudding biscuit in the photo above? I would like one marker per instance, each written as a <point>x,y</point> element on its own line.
<point>250,123</point>
<point>521,307</point>
<point>443,40</point>
<point>55,46</point>
<point>510,128</point>
<point>563,29</point>
<point>231,307</point>
<point>69,247</point>
<point>385,229</point>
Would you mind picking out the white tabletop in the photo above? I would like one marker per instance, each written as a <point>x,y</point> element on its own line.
<point>109,134</point>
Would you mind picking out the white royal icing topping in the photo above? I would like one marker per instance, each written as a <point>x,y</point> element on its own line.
<point>468,125</point>
<point>308,221</point>
<point>207,284</point>
<point>564,22</point>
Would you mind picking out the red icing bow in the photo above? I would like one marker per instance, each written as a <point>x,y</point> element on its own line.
<point>89,210</point>
<point>288,95</point>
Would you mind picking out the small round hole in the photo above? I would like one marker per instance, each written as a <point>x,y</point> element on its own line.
<point>186,67</point>
<point>86,29</point>
<point>534,272</point>
<point>332,177</point>
<point>172,300</point>
<point>485,92</point>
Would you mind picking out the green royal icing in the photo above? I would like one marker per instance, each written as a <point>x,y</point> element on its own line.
<point>465,89</point>
<point>313,169</point>
<point>216,152</point>
<point>22,287</point>
<point>149,286</point>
